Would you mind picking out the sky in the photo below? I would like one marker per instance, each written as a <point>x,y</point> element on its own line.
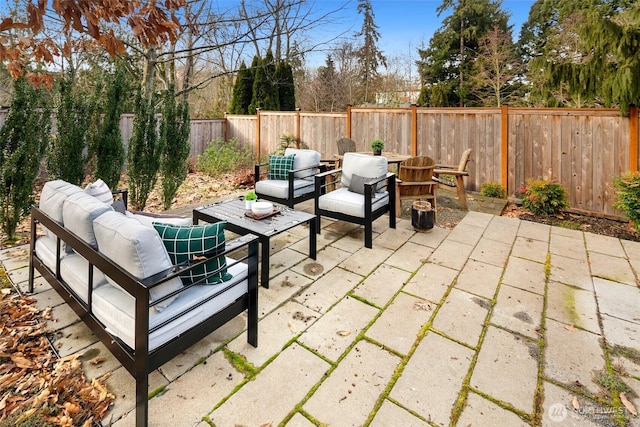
<point>406,25</point>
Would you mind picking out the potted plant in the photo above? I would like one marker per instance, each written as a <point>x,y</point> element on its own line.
<point>249,199</point>
<point>377,145</point>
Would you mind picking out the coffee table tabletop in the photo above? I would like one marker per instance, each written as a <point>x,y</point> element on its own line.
<point>233,212</point>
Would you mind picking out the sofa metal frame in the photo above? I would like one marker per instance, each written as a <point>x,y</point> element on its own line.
<point>140,361</point>
<point>321,184</point>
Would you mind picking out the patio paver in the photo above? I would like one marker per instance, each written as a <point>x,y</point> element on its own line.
<point>423,329</point>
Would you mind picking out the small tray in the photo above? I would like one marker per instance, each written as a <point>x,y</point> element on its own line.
<point>250,214</point>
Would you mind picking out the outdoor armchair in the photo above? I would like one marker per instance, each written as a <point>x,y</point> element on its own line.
<point>365,192</point>
<point>288,179</point>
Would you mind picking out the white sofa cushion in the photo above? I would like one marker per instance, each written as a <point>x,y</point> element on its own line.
<point>46,251</point>
<point>280,188</point>
<point>78,212</point>
<point>137,249</point>
<point>147,218</point>
<point>363,165</point>
<point>74,270</point>
<point>53,195</point>
<point>100,190</point>
<point>303,159</point>
<point>347,202</point>
<point>115,308</point>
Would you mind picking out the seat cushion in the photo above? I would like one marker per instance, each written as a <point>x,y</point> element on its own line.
<point>188,243</point>
<point>74,270</point>
<point>304,159</point>
<point>137,249</point>
<point>363,165</point>
<point>349,203</point>
<point>115,308</point>
<point>279,166</point>
<point>280,188</point>
<point>78,212</point>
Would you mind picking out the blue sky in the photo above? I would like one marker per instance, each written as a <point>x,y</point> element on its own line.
<point>404,25</point>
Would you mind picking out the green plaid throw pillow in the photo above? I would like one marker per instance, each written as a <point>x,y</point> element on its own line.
<point>188,243</point>
<point>279,166</point>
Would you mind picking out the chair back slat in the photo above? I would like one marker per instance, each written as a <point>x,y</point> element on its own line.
<point>416,169</point>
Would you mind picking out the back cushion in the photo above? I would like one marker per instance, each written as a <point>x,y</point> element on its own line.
<point>363,165</point>
<point>303,159</point>
<point>78,212</point>
<point>192,242</point>
<point>53,195</point>
<point>137,249</point>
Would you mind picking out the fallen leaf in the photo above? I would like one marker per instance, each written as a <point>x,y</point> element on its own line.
<point>627,404</point>
<point>422,306</point>
<point>570,328</point>
<point>575,403</point>
<point>292,327</point>
<point>97,361</point>
<point>344,333</point>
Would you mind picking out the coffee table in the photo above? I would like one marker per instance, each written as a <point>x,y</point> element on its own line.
<point>233,212</point>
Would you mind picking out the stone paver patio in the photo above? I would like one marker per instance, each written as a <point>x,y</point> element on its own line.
<point>498,322</point>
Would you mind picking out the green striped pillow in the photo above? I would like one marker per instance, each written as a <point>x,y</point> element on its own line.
<point>188,243</point>
<point>279,166</point>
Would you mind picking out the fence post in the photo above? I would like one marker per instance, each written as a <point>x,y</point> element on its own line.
<point>504,148</point>
<point>298,128</point>
<point>633,138</point>
<point>414,130</point>
<point>348,124</point>
<point>257,135</point>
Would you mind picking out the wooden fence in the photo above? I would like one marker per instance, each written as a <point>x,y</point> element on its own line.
<point>583,149</point>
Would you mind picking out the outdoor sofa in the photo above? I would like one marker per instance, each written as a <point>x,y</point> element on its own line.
<point>122,279</point>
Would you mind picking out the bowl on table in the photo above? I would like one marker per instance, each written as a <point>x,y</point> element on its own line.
<point>262,208</point>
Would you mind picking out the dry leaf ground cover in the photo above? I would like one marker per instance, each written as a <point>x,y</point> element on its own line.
<point>36,387</point>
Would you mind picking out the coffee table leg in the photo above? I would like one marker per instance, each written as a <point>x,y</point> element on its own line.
<point>264,268</point>
<point>313,237</point>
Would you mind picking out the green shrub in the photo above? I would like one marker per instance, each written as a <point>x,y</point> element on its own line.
<point>544,197</point>
<point>493,189</point>
<point>628,196</point>
<point>225,156</point>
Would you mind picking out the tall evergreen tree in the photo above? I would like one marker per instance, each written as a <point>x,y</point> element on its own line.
<point>106,145</point>
<point>174,135</point>
<point>23,141</point>
<point>265,90</point>
<point>368,54</point>
<point>242,90</point>
<point>543,37</point>
<point>65,157</point>
<point>286,87</point>
<point>446,64</point>
<point>144,151</point>
<point>600,65</point>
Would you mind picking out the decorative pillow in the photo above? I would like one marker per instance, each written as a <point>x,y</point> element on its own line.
<point>118,206</point>
<point>189,243</point>
<point>279,166</point>
<point>357,184</point>
<point>100,190</point>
